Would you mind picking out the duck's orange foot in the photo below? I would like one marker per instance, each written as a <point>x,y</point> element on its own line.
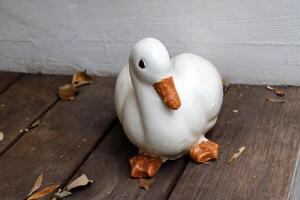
<point>144,165</point>
<point>204,151</point>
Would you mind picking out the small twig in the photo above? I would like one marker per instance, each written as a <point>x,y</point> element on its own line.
<point>236,155</point>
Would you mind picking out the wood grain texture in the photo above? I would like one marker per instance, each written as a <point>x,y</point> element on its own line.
<point>24,102</point>
<point>7,78</point>
<point>108,165</point>
<point>270,133</point>
<point>70,141</point>
<point>294,193</point>
<point>66,135</point>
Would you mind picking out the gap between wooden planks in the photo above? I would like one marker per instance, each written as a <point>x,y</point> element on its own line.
<point>67,133</point>
<point>263,171</point>
<point>7,79</point>
<point>265,156</point>
<point>109,166</point>
<point>270,133</point>
<point>25,101</point>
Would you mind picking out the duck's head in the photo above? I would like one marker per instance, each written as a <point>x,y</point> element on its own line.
<point>150,62</point>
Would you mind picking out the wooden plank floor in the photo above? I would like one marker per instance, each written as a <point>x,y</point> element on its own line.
<point>84,136</point>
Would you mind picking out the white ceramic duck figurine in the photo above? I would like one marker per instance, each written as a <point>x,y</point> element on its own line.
<point>167,105</point>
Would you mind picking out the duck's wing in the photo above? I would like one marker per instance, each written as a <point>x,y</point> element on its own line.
<point>122,90</point>
<point>197,71</point>
<point>200,85</point>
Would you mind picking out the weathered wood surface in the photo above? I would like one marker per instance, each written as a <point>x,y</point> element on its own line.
<point>264,170</point>
<point>24,102</point>
<point>83,136</point>
<point>270,133</point>
<point>108,165</point>
<point>294,193</point>
<point>7,78</point>
<point>66,135</point>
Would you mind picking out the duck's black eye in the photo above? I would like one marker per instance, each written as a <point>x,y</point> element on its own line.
<point>142,64</point>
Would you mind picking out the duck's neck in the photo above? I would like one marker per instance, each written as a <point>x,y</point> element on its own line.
<point>149,103</point>
<point>145,94</point>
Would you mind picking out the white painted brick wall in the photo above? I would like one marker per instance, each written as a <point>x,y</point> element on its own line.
<point>254,41</point>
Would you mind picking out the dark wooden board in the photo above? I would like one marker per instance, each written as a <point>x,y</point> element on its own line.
<point>7,78</point>
<point>65,137</point>
<point>108,165</point>
<point>294,193</point>
<point>70,141</point>
<point>25,101</point>
<point>270,133</point>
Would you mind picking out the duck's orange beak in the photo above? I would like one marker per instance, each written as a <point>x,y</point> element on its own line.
<point>167,91</point>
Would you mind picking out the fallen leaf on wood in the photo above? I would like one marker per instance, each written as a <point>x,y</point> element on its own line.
<point>277,90</point>
<point>43,192</point>
<point>37,184</point>
<point>81,78</point>
<point>270,88</point>
<point>62,194</point>
<point>67,92</point>
<point>1,136</point>
<point>35,124</point>
<point>236,155</point>
<point>78,182</point>
<point>145,183</point>
<point>274,100</point>
<point>235,111</point>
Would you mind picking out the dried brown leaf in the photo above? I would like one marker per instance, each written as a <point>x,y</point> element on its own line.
<point>78,182</point>
<point>277,90</point>
<point>81,78</point>
<point>236,155</point>
<point>67,92</point>
<point>37,184</point>
<point>270,88</point>
<point>43,192</point>
<point>275,100</point>
<point>145,183</point>
<point>1,136</point>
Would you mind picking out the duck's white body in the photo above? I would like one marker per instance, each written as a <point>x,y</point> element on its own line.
<point>156,129</point>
